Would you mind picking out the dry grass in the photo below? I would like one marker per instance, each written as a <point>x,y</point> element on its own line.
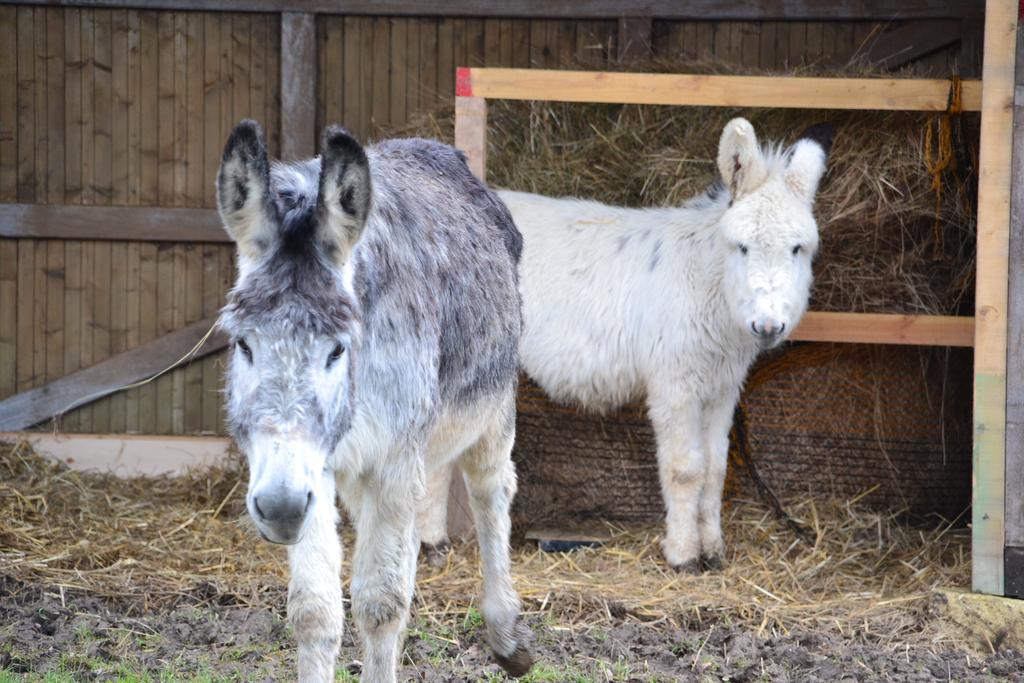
<point>154,543</point>
<point>881,249</point>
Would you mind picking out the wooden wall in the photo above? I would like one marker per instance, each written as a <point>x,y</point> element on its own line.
<point>121,107</point>
<point>127,107</point>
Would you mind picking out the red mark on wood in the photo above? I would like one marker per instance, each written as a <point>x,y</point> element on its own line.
<point>464,81</point>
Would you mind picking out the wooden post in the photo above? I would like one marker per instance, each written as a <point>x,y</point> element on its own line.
<point>1013,557</point>
<point>298,85</point>
<point>990,346</point>
<point>471,138</point>
<point>471,132</point>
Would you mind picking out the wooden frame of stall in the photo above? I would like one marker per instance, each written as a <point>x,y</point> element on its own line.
<point>997,537</point>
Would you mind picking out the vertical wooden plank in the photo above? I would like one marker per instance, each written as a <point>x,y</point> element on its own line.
<point>399,70</point>
<point>1013,561</point>
<point>73,68</point>
<point>272,59</point>
<point>8,193</point>
<point>352,69</point>
<point>814,47</point>
<point>54,324</point>
<point>520,43</point>
<point>26,106</point>
<point>506,43</point>
<point>195,176</point>
<point>634,41</point>
<point>381,109</point>
<point>178,283</point>
<point>119,196</point>
<point>768,45</point>
<point>103,188</point>
<point>566,38</point>
<point>428,64</point>
<point>538,44</point>
<point>164,284</point>
<point>704,39</point>
<point>41,112</point>
<point>492,42</point>
<point>257,70</point>
<point>475,42</point>
<point>298,79</point>
<point>366,77</point>
<point>990,345</point>
<point>132,249</point>
<point>149,195</point>
<point>797,44</point>
<point>212,144</point>
<point>240,65</point>
<point>446,59</point>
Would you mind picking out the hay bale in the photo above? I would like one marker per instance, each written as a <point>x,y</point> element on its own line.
<point>886,426</point>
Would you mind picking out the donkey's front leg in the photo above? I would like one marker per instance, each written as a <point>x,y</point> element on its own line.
<point>717,422</point>
<point>384,568</point>
<point>315,607</point>
<point>676,417</point>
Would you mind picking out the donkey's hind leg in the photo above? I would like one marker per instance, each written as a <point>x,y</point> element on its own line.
<point>491,481</point>
<point>315,607</point>
<point>432,516</point>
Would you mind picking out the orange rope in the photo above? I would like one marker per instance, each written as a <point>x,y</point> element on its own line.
<point>938,155</point>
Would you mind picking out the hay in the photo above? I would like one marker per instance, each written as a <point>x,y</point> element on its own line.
<point>154,543</point>
<point>886,244</point>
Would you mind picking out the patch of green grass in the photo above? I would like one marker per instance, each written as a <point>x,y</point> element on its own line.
<point>546,673</point>
<point>473,620</point>
<point>343,675</point>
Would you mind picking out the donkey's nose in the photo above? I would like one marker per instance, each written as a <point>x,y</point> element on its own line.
<point>282,507</point>
<point>767,330</point>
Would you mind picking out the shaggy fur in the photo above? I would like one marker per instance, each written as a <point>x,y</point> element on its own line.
<point>672,304</point>
<point>376,320</point>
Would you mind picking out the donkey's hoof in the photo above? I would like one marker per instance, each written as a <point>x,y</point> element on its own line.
<point>712,563</point>
<point>516,664</point>
<point>436,554</point>
<point>691,567</point>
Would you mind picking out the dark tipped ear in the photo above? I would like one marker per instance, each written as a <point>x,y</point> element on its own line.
<point>345,191</point>
<point>821,133</point>
<point>807,160</point>
<point>243,191</point>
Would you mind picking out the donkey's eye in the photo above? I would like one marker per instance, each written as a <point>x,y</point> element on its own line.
<point>335,355</point>
<point>743,249</point>
<point>797,249</point>
<point>244,348</point>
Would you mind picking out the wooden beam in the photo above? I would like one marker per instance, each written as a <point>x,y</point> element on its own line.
<point>987,529</point>
<point>903,94</point>
<point>912,41</point>
<point>883,328</point>
<point>634,39</point>
<point>128,455</point>
<point>142,223</point>
<point>31,407</point>
<point>471,129</point>
<point>298,85</point>
<point>721,10</point>
<point>1013,562</point>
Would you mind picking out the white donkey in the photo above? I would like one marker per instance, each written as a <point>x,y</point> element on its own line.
<point>375,323</point>
<point>670,303</point>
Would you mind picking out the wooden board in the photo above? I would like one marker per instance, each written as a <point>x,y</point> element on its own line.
<point>36,405</point>
<point>991,298</point>
<point>471,131</point>
<point>883,328</point>
<point>828,10</point>
<point>149,224</point>
<point>718,91</point>
<point>128,456</point>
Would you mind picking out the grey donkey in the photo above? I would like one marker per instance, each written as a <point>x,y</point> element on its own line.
<point>375,324</point>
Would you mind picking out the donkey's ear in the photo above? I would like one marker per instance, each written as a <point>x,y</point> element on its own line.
<point>807,160</point>
<point>344,199</point>
<point>740,161</point>
<point>243,191</point>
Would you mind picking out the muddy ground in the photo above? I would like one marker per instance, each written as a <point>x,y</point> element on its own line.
<point>54,637</point>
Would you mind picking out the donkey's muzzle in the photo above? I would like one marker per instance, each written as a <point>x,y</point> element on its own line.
<point>767,332</point>
<point>280,513</point>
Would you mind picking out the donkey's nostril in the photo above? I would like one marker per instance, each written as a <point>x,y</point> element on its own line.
<point>309,501</point>
<point>256,506</point>
<point>782,327</point>
<point>753,328</point>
